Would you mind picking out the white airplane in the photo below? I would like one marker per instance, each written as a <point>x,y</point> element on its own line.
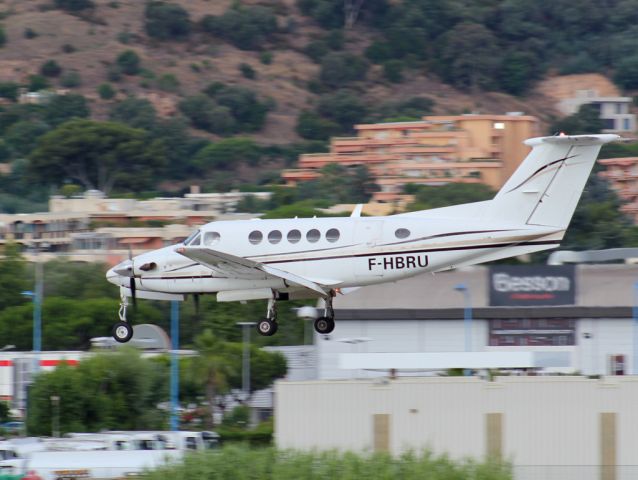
<point>320,257</point>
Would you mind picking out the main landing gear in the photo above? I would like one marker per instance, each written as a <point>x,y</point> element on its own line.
<point>122,331</point>
<point>323,325</point>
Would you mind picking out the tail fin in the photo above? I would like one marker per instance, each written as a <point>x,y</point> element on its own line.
<point>546,187</point>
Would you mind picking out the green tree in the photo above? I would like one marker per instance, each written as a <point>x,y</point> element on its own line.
<point>98,155</point>
<point>343,107</point>
<point>227,154</point>
<point>213,365</point>
<point>62,108</point>
<point>339,69</point>
<point>4,411</point>
<point>129,62</point>
<point>106,91</point>
<point>427,197</point>
<point>247,28</point>
<point>50,68</point>
<point>627,72</point>
<point>206,114</point>
<point>22,137</point>
<point>12,277</point>
<point>469,57</point>
<point>249,113</point>
<point>136,112</point>
<point>585,121</point>
<point>9,90</point>
<point>312,126</point>
<point>108,391</point>
<point>166,21</point>
<point>37,83</point>
<point>74,5</point>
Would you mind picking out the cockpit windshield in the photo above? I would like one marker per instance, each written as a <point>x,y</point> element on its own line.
<point>193,238</point>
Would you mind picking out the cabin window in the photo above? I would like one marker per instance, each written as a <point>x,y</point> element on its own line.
<point>332,235</point>
<point>211,238</point>
<point>274,236</point>
<point>255,237</point>
<point>294,236</point>
<point>313,235</point>
<point>402,233</point>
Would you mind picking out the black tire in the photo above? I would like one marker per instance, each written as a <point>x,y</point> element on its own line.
<point>267,327</point>
<point>324,325</point>
<point>122,332</point>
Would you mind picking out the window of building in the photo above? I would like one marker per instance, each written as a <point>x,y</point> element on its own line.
<point>313,235</point>
<point>274,236</point>
<point>255,237</point>
<point>402,233</point>
<point>211,238</point>
<point>626,124</point>
<point>499,126</point>
<point>609,124</point>
<point>332,235</point>
<point>294,236</point>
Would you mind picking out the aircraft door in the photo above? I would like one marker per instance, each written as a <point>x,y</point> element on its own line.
<point>367,234</point>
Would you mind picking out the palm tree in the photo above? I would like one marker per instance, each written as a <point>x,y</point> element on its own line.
<point>213,366</point>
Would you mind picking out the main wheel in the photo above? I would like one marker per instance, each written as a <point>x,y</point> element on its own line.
<point>267,327</point>
<point>122,332</point>
<point>324,325</point>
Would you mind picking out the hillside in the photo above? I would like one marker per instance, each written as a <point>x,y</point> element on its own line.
<point>96,39</point>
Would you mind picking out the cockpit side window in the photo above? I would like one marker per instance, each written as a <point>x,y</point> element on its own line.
<point>190,238</point>
<point>194,241</point>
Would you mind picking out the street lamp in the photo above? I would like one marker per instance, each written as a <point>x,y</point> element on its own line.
<point>55,418</point>
<point>7,347</point>
<point>245,368</point>
<point>635,329</point>
<point>174,365</point>
<point>467,317</point>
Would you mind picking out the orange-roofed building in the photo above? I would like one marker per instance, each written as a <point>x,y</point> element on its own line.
<point>622,175</point>
<point>433,151</point>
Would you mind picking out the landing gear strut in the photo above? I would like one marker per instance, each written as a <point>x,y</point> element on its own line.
<point>268,326</point>
<point>122,331</point>
<point>326,324</point>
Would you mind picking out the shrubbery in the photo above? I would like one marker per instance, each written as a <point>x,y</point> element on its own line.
<point>129,62</point>
<point>339,69</point>
<point>74,5</point>
<point>245,27</point>
<point>166,21</point>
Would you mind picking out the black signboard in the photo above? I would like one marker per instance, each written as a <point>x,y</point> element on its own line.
<point>520,285</point>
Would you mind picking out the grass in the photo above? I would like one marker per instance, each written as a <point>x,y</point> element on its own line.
<point>242,463</point>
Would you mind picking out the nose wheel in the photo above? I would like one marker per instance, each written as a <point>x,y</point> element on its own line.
<point>122,331</point>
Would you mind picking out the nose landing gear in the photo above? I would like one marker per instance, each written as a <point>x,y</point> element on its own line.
<point>122,331</point>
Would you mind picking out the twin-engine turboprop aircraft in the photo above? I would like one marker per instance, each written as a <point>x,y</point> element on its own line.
<point>319,257</point>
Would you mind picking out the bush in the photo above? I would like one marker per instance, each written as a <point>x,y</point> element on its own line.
<point>71,79</point>
<point>29,33</point>
<point>228,153</point>
<point>166,21</point>
<point>106,91</point>
<point>50,68</point>
<point>74,5</point>
<point>206,114</point>
<point>338,69</point>
<point>247,71</point>
<point>62,108</point>
<point>129,62</point>
<point>68,48</point>
<point>9,90</point>
<point>393,70</point>
<point>3,37</point>
<point>136,112</point>
<point>265,58</point>
<point>168,82</point>
<point>37,83</point>
<point>248,112</point>
<point>247,28</point>
<point>344,107</point>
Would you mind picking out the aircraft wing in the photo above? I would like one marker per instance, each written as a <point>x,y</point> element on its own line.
<point>234,265</point>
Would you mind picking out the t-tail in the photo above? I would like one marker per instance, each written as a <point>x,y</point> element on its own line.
<point>546,187</point>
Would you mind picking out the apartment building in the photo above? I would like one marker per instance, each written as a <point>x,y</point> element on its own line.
<point>622,175</point>
<point>433,151</point>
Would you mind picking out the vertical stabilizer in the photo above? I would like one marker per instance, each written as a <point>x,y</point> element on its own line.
<point>546,187</point>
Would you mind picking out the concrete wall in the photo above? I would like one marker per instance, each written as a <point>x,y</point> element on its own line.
<point>551,428</point>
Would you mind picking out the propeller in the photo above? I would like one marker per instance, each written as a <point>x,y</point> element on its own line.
<point>132,276</point>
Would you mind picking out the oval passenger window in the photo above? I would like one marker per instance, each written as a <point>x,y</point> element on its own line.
<point>313,235</point>
<point>255,237</point>
<point>274,236</point>
<point>294,236</point>
<point>332,235</point>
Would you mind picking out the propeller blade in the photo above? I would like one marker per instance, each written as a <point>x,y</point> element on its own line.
<point>132,285</point>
